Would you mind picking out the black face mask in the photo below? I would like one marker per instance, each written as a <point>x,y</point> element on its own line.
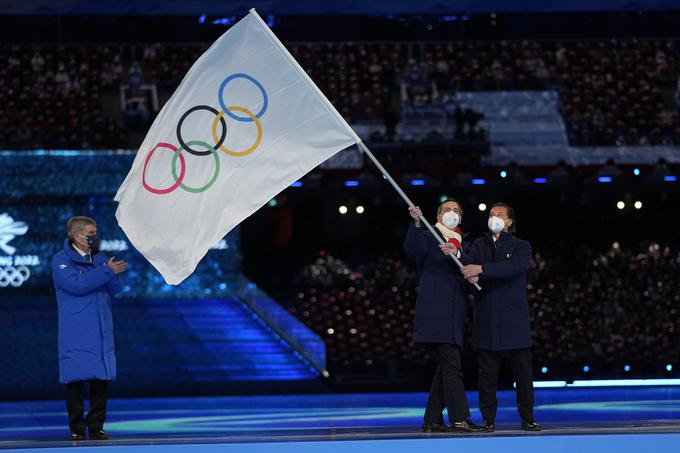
<point>93,242</point>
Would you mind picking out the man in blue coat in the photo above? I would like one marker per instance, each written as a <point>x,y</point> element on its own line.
<point>439,323</point>
<point>85,281</point>
<point>501,329</point>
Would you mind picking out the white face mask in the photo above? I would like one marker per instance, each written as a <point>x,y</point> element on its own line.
<point>450,220</point>
<point>496,224</point>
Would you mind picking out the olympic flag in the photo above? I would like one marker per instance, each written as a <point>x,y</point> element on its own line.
<point>245,123</point>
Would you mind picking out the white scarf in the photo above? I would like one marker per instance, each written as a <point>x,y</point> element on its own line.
<point>451,234</point>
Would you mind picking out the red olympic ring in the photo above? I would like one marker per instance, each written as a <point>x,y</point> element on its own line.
<point>182,171</point>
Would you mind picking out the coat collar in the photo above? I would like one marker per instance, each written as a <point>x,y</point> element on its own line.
<point>73,254</point>
<point>502,238</point>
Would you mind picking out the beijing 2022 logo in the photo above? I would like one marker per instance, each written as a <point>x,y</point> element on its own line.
<point>205,149</point>
<point>14,269</point>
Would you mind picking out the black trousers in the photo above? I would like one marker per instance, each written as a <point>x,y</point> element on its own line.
<point>489,367</point>
<point>448,390</point>
<point>75,406</point>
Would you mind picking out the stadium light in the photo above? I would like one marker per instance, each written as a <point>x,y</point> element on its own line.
<point>225,21</point>
<point>360,209</point>
<point>482,207</point>
<point>620,205</point>
<point>638,205</point>
<point>342,209</point>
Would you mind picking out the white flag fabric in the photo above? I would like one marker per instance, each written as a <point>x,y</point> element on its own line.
<point>245,123</point>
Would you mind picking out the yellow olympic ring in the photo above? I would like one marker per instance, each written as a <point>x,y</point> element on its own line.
<point>253,147</point>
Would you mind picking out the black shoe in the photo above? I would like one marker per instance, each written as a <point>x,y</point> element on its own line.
<point>488,426</point>
<point>99,434</point>
<point>531,426</point>
<point>466,426</point>
<point>77,436</point>
<point>435,428</point>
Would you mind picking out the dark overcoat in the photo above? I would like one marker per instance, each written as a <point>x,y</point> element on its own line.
<point>441,305</point>
<point>501,310</point>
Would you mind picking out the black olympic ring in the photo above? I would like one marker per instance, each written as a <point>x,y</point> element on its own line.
<point>187,113</point>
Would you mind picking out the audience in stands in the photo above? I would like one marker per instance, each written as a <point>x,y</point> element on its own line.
<point>53,97</point>
<point>613,93</point>
<point>615,306</point>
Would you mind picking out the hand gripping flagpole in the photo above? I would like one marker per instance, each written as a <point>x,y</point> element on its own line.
<point>408,201</point>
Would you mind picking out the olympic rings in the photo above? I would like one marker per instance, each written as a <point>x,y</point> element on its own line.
<point>249,117</point>
<point>265,98</point>
<point>212,180</point>
<point>258,139</point>
<point>178,180</point>
<point>218,143</point>
<point>13,276</point>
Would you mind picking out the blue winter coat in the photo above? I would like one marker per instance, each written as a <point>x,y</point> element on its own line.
<point>441,305</point>
<point>84,291</point>
<point>501,320</point>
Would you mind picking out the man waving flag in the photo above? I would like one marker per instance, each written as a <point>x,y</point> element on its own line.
<point>245,123</point>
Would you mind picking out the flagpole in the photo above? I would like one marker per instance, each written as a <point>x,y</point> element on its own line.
<point>408,201</point>
<point>349,129</point>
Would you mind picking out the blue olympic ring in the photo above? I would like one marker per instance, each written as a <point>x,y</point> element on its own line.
<point>226,110</point>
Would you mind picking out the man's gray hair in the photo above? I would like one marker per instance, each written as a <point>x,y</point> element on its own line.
<point>449,200</point>
<point>77,224</point>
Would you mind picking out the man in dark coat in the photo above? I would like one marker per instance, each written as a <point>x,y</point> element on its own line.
<point>85,281</point>
<point>439,323</point>
<point>501,329</point>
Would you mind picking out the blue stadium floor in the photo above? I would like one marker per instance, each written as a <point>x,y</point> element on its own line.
<point>606,419</point>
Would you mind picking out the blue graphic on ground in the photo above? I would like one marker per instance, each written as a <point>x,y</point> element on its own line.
<point>266,414</point>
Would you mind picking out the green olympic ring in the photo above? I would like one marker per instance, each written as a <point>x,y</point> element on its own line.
<point>217,166</point>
